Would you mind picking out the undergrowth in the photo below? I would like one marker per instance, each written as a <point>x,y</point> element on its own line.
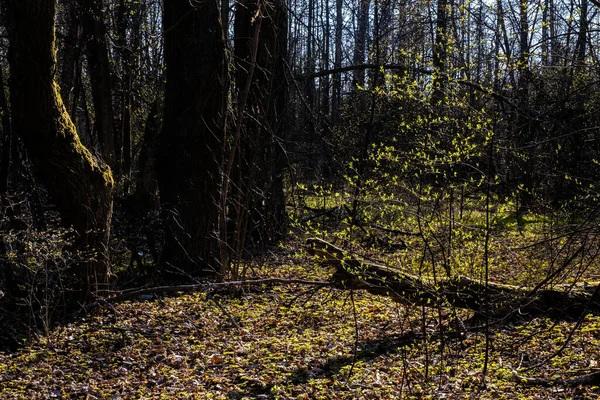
<point>289,342</point>
<point>298,342</point>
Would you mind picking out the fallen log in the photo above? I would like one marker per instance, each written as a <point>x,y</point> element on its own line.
<point>494,299</point>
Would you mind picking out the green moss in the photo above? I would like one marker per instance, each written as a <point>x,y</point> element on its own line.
<point>67,129</point>
<point>108,177</point>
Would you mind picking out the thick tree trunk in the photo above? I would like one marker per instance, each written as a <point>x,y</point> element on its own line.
<point>80,185</point>
<point>189,156</point>
<point>461,292</point>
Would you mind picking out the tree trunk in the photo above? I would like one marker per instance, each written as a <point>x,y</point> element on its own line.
<point>440,52</point>
<point>128,54</point>
<point>74,109</point>
<point>582,35</point>
<point>189,159</point>
<point>260,49</point>
<point>324,82</point>
<point>546,21</point>
<point>502,44</point>
<point>69,53</point>
<point>336,99</point>
<point>309,84</point>
<point>525,132</point>
<point>100,82</point>
<point>6,139</point>
<point>555,57</point>
<point>146,186</point>
<point>80,185</point>
<point>360,41</point>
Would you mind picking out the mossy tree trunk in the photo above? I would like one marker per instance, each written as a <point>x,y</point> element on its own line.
<point>80,185</point>
<point>189,146</point>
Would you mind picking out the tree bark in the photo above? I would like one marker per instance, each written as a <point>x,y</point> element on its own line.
<point>80,185</point>
<point>189,159</point>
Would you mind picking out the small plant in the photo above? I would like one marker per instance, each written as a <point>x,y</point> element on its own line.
<point>37,277</point>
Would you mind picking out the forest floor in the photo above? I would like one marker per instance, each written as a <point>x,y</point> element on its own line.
<point>290,341</point>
